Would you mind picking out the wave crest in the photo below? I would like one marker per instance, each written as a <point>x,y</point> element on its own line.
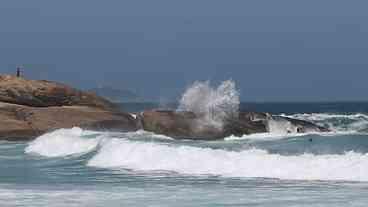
<point>63,142</point>
<point>248,163</point>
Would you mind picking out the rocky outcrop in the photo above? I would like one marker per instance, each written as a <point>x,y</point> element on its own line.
<point>178,125</point>
<point>29,108</point>
<point>42,93</point>
<point>301,126</point>
<point>23,122</point>
<point>187,125</point>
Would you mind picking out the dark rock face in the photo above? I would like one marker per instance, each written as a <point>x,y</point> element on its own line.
<point>304,126</point>
<point>187,125</point>
<point>19,122</point>
<point>247,123</point>
<point>180,125</point>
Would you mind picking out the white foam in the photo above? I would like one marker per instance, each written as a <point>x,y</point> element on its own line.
<point>277,129</point>
<point>149,156</point>
<point>63,142</point>
<point>277,136</point>
<point>265,136</point>
<point>348,123</point>
<point>324,116</point>
<point>144,134</point>
<point>142,156</point>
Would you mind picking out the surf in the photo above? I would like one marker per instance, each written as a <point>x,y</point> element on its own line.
<point>63,142</point>
<point>123,152</point>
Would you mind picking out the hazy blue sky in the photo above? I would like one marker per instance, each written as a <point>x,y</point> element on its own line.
<point>276,50</point>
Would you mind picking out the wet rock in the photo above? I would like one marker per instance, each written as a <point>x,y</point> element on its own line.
<point>180,125</point>
<point>187,125</point>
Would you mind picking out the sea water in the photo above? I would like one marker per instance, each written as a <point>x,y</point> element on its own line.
<point>75,167</point>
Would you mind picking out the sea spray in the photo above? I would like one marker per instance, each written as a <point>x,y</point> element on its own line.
<point>214,104</point>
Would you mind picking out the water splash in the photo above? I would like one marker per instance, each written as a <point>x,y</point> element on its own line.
<point>214,104</point>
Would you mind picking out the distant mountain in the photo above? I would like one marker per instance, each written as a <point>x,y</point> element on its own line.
<point>117,95</point>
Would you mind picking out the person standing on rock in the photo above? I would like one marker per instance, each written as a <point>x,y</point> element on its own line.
<point>18,72</point>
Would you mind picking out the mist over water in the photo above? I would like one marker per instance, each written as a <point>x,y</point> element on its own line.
<point>215,104</point>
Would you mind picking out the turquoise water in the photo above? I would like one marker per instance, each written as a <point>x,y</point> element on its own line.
<point>74,167</point>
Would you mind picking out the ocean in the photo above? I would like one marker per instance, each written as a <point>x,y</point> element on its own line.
<point>76,167</point>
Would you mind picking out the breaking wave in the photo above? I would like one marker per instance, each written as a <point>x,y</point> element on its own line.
<point>248,163</point>
<point>121,151</point>
<point>63,142</point>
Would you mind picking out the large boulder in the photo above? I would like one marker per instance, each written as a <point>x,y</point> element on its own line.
<point>301,126</point>
<point>29,108</point>
<point>187,125</point>
<point>282,124</point>
<point>180,125</point>
<point>19,122</point>
<point>42,93</point>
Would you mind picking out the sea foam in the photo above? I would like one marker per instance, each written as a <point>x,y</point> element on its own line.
<point>63,142</point>
<point>123,151</point>
<point>142,156</point>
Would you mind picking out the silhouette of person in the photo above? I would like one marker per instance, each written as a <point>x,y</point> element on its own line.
<point>18,72</point>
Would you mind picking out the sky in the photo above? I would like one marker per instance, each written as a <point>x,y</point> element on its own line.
<point>284,50</point>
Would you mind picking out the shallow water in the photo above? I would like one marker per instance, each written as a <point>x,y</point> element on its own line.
<point>74,167</point>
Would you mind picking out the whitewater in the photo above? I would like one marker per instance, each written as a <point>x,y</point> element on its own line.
<point>133,151</point>
<point>89,168</point>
